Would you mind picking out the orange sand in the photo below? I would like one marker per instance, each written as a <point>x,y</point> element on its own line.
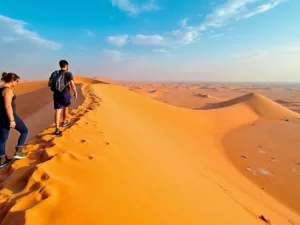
<point>204,96</point>
<point>267,152</point>
<point>128,159</point>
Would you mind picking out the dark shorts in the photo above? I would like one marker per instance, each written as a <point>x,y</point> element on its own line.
<point>61,100</point>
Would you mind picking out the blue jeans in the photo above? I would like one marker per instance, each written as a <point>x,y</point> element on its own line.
<point>4,132</point>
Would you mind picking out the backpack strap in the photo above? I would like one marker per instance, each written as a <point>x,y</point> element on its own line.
<point>63,74</point>
<point>52,74</point>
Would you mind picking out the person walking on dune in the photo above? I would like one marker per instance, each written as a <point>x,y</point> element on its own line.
<point>9,118</point>
<point>61,82</point>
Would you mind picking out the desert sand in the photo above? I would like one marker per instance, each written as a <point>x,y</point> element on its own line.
<point>208,95</point>
<point>267,152</point>
<point>35,107</point>
<point>129,159</point>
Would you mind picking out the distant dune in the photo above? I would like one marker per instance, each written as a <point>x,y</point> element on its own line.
<point>107,80</point>
<point>263,106</point>
<point>205,96</point>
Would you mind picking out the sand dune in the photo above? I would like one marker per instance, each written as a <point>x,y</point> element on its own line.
<point>128,159</point>
<point>87,80</point>
<point>186,95</point>
<point>263,106</point>
<point>27,87</point>
<point>206,96</point>
<point>35,106</point>
<point>272,152</point>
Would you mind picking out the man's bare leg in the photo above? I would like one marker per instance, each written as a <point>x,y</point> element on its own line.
<point>57,117</point>
<point>65,113</point>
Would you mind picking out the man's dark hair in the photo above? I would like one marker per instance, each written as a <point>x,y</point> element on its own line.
<point>63,63</point>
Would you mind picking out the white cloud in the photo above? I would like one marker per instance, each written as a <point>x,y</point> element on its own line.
<point>186,36</point>
<point>89,33</point>
<point>118,40</point>
<point>160,50</point>
<point>238,9</point>
<point>113,55</point>
<point>148,40</point>
<point>217,35</point>
<point>177,37</point>
<point>183,23</point>
<point>150,6</point>
<point>263,8</point>
<point>220,16</point>
<point>15,30</point>
<point>133,8</point>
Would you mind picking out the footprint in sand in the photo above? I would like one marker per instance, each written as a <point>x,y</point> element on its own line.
<point>251,170</point>
<point>295,171</point>
<point>261,150</point>
<point>273,160</point>
<point>18,180</point>
<point>265,172</point>
<point>29,181</point>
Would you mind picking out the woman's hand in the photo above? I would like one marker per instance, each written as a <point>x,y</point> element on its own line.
<point>12,124</point>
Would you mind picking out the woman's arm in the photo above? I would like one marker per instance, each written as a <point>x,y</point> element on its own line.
<point>8,95</point>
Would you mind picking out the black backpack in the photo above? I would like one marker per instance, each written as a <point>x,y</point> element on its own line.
<point>57,81</point>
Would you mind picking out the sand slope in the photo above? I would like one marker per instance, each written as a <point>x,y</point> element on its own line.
<point>131,160</point>
<point>35,107</point>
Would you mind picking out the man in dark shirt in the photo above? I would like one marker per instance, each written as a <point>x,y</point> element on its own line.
<point>62,100</point>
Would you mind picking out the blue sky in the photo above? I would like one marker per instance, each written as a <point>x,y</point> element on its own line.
<point>191,40</point>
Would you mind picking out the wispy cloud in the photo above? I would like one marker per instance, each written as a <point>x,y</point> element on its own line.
<point>217,35</point>
<point>238,9</point>
<point>177,37</point>
<point>113,55</point>
<point>160,50</point>
<point>134,8</point>
<point>230,11</point>
<point>118,41</point>
<point>222,15</point>
<point>185,36</point>
<point>263,8</point>
<point>148,40</point>
<point>150,6</point>
<point>89,33</point>
<point>118,56</point>
<point>183,23</point>
<point>15,30</point>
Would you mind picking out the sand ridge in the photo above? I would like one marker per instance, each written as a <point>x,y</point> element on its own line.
<point>132,160</point>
